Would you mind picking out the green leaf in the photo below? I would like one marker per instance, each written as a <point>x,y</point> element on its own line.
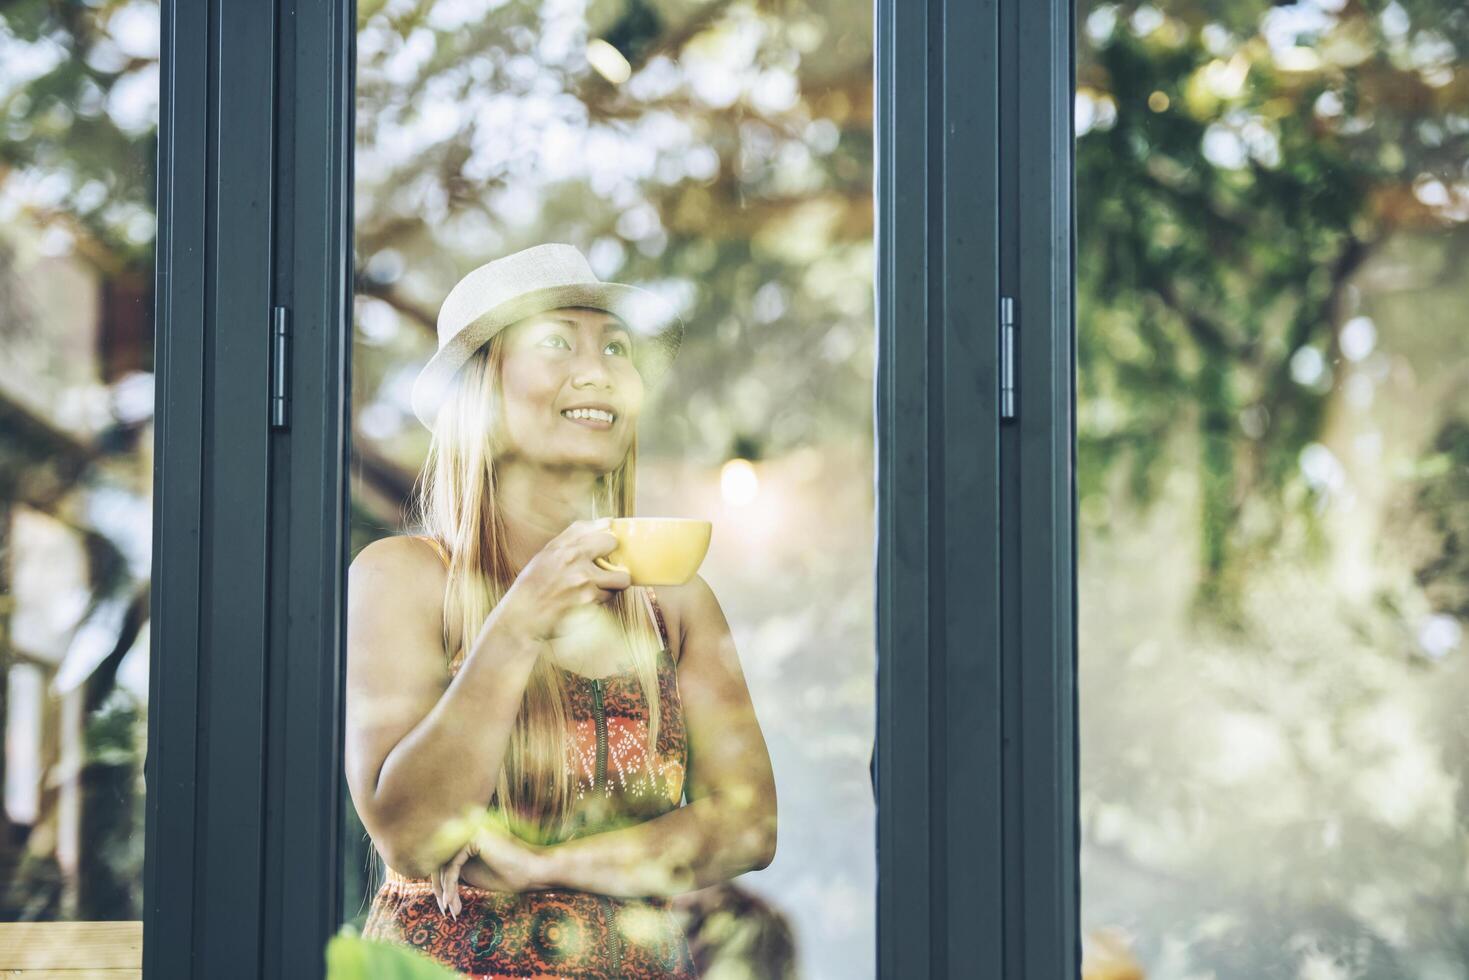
<point>350,957</point>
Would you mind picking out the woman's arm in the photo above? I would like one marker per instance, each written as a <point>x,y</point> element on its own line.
<point>421,746</point>
<point>692,847</point>
<point>729,825</point>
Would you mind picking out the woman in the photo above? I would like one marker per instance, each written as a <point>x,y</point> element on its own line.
<point>494,668</point>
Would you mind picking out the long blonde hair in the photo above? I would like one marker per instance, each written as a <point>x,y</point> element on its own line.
<point>456,504</point>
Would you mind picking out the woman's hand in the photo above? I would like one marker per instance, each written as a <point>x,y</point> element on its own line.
<point>505,863</point>
<point>562,578</point>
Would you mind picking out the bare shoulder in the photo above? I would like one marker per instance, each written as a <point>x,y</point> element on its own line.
<point>395,667</point>
<point>402,572</point>
<point>691,607</point>
<point>410,560</point>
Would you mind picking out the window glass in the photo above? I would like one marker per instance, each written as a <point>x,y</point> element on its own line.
<point>78,120</point>
<point>1273,426</point>
<point>716,157</point>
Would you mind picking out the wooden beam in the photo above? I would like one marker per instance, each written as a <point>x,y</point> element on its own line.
<point>68,947</point>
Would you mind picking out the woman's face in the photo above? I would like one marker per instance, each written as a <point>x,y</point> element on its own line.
<point>565,359</point>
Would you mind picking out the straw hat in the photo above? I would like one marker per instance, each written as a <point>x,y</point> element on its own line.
<point>534,280</point>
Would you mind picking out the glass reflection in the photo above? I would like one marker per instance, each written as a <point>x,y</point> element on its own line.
<point>78,121</point>
<point>718,157</point>
<point>1272,208</point>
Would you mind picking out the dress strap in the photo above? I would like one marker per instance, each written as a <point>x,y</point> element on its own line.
<point>438,548</point>
<point>657,615</point>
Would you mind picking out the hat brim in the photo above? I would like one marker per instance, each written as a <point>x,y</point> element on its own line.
<point>656,327</point>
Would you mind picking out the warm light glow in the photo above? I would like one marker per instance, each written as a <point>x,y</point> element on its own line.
<point>738,482</point>
<point>607,61</point>
<point>1158,101</point>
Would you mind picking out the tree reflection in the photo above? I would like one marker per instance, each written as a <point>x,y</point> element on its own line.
<point>1272,202</point>
<point>719,153</point>
<point>78,120</point>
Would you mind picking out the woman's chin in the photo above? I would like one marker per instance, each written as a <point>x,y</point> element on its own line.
<point>598,464</point>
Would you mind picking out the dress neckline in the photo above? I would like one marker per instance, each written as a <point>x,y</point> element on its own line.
<point>663,654</point>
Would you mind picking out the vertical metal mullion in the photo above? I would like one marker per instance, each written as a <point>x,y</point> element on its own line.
<point>1042,482</point>
<point>205,772</point>
<point>233,692</point>
<point>1011,539</point>
<point>968,456</point>
<point>940,907</point>
<point>905,839</point>
<point>308,486</point>
<point>170,766</point>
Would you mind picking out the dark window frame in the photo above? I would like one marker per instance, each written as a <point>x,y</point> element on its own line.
<point>976,758</point>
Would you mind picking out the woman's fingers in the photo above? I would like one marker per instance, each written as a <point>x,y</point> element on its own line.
<point>444,881</point>
<point>451,873</point>
<point>451,890</point>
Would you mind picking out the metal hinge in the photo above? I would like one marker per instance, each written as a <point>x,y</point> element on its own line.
<point>280,340</point>
<point>1007,358</point>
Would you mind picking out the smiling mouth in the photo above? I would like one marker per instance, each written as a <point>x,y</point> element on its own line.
<point>597,421</point>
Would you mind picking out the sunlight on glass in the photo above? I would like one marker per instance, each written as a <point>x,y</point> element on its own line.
<point>1223,79</point>
<point>608,61</point>
<point>1297,59</point>
<point>1358,337</point>
<point>1439,635</point>
<point>1146,19</point>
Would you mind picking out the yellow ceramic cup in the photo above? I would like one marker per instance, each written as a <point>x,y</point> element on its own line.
<point>657,550</point>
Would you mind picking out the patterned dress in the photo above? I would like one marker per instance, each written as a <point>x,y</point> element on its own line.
<point>563,933</point>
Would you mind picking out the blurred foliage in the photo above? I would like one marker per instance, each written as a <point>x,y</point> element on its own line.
<point>1272,203</point>
<point>113,813</point>
<point>718,152</point>
<point>731,171</point>
<point>78,130</point>
<point>1434,520</point>
<point>78,124</point>
<point>1237,164</point>
<point>350,957</point>
<point>734,934</point>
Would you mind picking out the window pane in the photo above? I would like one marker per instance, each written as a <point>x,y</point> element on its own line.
<point>717,157</point>
<point>78,121</point>
<point>1273,450</point>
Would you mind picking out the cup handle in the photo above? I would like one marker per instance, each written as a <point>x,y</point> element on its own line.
<point>602,563</point>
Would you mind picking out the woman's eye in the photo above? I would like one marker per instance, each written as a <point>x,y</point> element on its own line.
<point>556,340</point>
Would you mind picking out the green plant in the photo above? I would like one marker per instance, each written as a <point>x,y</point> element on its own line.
<point>350,957</point>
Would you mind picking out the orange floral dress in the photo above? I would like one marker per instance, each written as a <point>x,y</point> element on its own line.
<point>564,933</point>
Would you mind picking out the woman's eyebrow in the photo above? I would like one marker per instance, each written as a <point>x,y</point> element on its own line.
<point>608,326</point>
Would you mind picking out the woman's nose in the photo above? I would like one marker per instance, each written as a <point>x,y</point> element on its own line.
<point>589,367</point>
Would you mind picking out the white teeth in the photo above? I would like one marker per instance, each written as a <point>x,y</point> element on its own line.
<point>588,413</point>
